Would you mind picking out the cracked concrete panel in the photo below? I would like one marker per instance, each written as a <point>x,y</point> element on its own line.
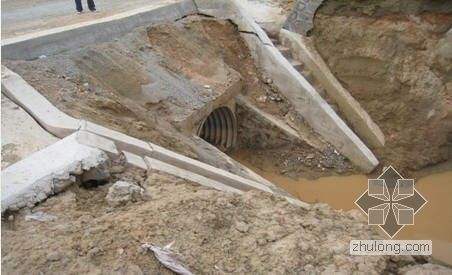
<point>47,172</point>
<point>21,134</point>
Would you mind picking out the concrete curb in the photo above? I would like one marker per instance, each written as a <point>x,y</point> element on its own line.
<point>355,114</point>
<point>48,42</point>
<point>47,172</point>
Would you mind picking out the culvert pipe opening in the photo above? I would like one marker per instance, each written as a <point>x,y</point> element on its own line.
<point>219,129</point>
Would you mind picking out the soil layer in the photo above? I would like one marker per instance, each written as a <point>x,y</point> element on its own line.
<point>395,58</point>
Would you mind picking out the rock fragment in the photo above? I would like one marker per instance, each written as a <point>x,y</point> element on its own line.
<point>123,192</point>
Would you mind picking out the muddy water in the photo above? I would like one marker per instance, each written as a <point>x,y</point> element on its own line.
<point>433,222</point>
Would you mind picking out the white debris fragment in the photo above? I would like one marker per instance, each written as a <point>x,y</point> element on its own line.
<point>168,258</point>
<point>40,216</point>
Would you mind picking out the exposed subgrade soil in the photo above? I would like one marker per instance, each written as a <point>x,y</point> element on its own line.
<point>395,58</point>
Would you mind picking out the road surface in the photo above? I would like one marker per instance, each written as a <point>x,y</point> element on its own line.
<point>24,16</point>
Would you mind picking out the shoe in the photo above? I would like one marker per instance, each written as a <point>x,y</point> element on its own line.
<point>94,10</point>
<point>79,12</point>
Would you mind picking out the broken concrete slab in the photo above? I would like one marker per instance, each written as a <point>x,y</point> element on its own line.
<point>21,134</point>
<point>47,172</point>
<point>48,42</point>
<point>359,119</point>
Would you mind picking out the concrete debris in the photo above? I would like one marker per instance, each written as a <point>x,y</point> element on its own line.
<point>123,192</point>
<point>47,172</point>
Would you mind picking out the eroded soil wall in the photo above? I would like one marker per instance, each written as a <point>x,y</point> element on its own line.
<point>395,58</point>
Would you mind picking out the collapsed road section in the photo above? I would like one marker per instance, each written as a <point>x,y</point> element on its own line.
<point>150,109</point>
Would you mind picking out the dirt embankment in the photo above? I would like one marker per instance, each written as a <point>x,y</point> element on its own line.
<point>395,58</point>
<point>214,232</point>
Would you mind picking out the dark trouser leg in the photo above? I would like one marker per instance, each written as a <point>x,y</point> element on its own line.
<point>91,5</point>
<point>78,5</point>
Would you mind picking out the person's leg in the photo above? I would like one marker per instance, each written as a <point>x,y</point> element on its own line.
<point>91,5</point>
<point>78,5</point>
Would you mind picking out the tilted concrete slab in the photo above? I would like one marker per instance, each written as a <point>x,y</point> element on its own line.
<point>47,172</point>
<point>205,170</point>
<point>275,123</point>
<point>360,120</point>
<point>48,42</point>
<point>158,165</point>
<point>316,111</point>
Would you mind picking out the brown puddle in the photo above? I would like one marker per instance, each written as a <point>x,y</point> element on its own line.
<point>433,222</point>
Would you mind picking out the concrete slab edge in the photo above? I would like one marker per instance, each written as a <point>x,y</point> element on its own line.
<point>362,123</point>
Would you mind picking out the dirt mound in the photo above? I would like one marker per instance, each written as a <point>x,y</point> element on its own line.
<point>394,57</point>
<point>214,232</point>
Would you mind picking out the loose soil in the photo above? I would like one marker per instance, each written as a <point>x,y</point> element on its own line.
<point>213,232</point>
<point>395,59</point>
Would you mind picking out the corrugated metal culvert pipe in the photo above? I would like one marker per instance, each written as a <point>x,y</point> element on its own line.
<point>219,129</point>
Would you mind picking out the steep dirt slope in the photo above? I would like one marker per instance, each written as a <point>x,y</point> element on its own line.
<point>395,58</point>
